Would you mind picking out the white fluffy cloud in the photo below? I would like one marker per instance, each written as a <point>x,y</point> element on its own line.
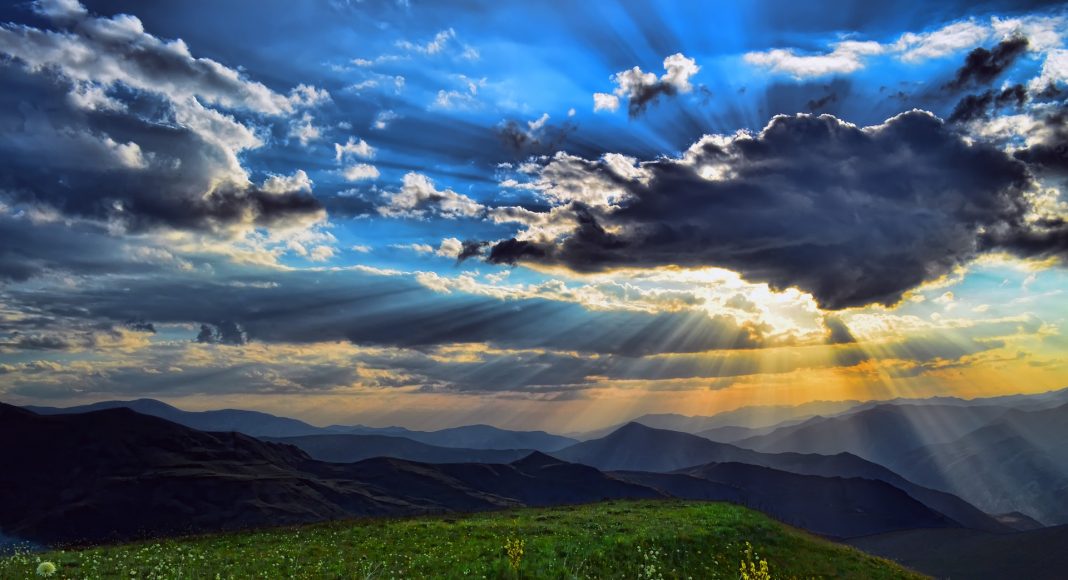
<point>354,147</point>
<point>1054,70</point>
<point>299,181</point>
<point>1043,33</point>
<point>108,51</point>
<point>360,172</point>
<point>418,198</point>
<point>640,88</point>
<point>846,57</point>
<point>605,102</point>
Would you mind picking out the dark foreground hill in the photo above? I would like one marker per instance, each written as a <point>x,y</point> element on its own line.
<point>119,474</point>
<point>958,553</point>
<point>659,539</point>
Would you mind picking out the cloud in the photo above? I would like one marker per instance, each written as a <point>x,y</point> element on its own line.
<point>534,137</point>
<point>60,9</point>
<point>225,332</point>
<point>105,121</point>
<point>107,51</point>
<point>304,129</point>
<point>419,198</point>
<point>354,147</point>
<point>1054,71</point>
<point>851,215</point>
<point>373,310</point>
<point>383,119</point>
<point>281,184</point>
<point>944,41</point>
<point>846,56</point>
<point>837,331</point>
<point>983,66</point>
<point>978,106</point>
<point>1047,148</point>
<point>640,89</point>
<point>605,102</point>
<point>360,172</point>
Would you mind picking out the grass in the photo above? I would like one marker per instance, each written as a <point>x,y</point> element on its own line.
<point>644,539</point>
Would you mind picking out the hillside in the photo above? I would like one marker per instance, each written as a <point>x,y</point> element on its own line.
<point>652,539</point>
<point>90,477</point>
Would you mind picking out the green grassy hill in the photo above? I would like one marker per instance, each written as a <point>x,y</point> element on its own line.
<point>647,539</point>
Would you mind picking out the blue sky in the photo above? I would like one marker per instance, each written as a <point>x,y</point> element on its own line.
<point>546,213</point>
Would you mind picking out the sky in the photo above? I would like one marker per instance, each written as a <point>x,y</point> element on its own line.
<point>550,215</point>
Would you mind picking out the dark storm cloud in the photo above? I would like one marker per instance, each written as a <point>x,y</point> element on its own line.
<point>852,215</point>
<point>644,95</point>
<point>979,106</point>
<point>523,141</point>
<point>225,332</point>
<point>982,66</point>
<point>470,249</point>
<point>120,166</point>
<point>308,307</point>
<point>837,331</point>
<point>102,120</point>
<point>817,104</point>
<point>1050,155</point>
<point>29,248</point>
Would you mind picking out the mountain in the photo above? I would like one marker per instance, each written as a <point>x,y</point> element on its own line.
<point>881,434</point>
<point>1017,463</point>
<point>115,473</point>
<point>733,433</point>
<point>960,553</point>
<point>752,417</point>
<point>635,447</point>
<point>1023,402</point>
<point>833,506</point>
<point>998,459</point>
<point>251,423</point>
<point>478,437</point>
<point>536,480</point>
<point>353,448</point>
<point>260,424</point>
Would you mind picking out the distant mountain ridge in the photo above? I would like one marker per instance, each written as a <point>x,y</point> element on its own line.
<point>1001,459</point>
<point>635,447</point>
<point>352,448</point>
<point>258,424</point>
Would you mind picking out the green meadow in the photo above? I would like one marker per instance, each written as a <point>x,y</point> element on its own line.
<point>640,539</point>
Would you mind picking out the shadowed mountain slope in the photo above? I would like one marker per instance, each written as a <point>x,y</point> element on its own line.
<point>353,448</point>
<point>635,447</point>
